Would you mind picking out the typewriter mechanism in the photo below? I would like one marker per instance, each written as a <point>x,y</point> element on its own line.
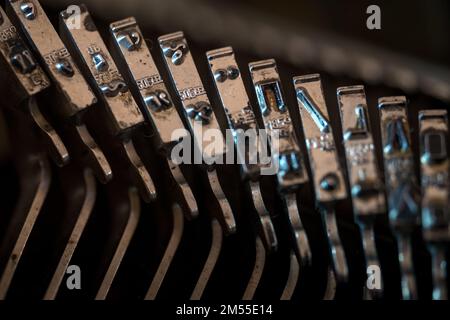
<point>237,159</point>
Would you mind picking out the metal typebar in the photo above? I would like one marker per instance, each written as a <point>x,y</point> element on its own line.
<point>401,184</point>
<point>285,150</point>
<point>199,113</point>
<point>328,177</point>
<point>153,98</point>
<point>435,164</point>
<point>71,88</point>
<point>99,68</point>
<point>365,183</point>
<point>242,122</point>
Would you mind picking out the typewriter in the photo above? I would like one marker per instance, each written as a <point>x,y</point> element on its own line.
<point>189,150</point>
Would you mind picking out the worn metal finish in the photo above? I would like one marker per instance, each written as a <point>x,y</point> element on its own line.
<point>110,86</point>
<point>134,213</point>
<point>191,91</point>
<point>153,98</point>
<point>258,270</point>
<point>103,73</point>
<point>28,79</point>
<point>211,260</point>
<point>20,59</point>
<point>364,176</point>
<point>46,42</point>
<point>277,121</point>
<point>236,104</point>
<point>292,280</point>
<point>72,88</point>
<point>155,101</point>
<point>198,111</point>
<point>241,121</point>
<point>87,206</point>
<point>169,254</point>
<point>33,203</point>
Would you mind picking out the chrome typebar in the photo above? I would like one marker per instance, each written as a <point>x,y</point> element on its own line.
<point>285,151</point>
<point>367,189</point>
<point>191,92</point>
<point>435,165</point>
<point>71,88</point>
<point>366,186</point>
<point>96,62</point>
<point>242,122</point>
<point>401,184</point>
<point>278,124</point>
<point>153,98</point>
<point>328,177</point>
<point>27,79</point>
<point>199,113</point>
<point>22,80</point>
<point>30,77</point>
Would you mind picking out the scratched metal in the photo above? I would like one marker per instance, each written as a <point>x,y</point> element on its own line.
<point>108,82</point>
<point>160,109</point>
<point>47,43</point>
<point>27,70</point>
<point>191,92</point>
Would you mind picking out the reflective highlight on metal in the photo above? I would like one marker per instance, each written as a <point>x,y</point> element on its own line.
<point>100,69</point>
<point>152,96</point>
<point>240,117</point>
<point>435,165</point>
<point>72,88</point>
<point>364,176</point>
<point>197,111</point>
<point>401,184</point>
<point>328,177</point>
<point>285,150</point>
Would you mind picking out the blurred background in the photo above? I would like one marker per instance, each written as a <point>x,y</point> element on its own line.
<point>416,28</point>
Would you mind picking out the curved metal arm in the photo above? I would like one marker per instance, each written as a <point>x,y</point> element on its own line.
<point>258,270</point>
<point>291,284</point>
<point>122,246</point>
<point>56,147</point>
<point>330,290</point>
<point>409,287</point>
<point>143,180</point>
<point>96,159</point>
<point>84,214</point>
<point>371,256</point>
<point>208,268</point>
<point>29,207</point>
<point>267,230</point>
<point>439,270</point>
<point>172,246</point>
<point>226,217</point>
<point>337,252</point>
<point>188,196</point>
<point>302,248</point>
